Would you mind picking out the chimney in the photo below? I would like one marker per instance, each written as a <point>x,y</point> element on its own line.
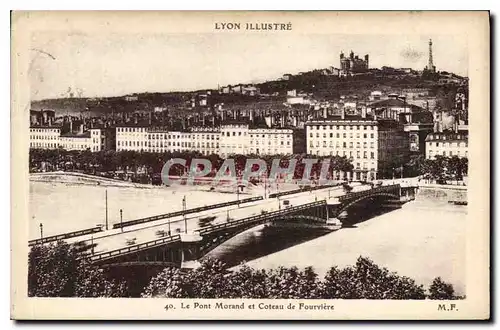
<point>183,123</point>
<point>363,112</point>
<point>203,120</point>
<point>251,115</point>
<point>213,120</point>
<point>150,118</point>
<point>80,131</point>
<point>342,114</point>
<point>70,125</point>
<point>325,112</point>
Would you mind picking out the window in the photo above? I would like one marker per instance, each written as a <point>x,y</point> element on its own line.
<point>364,154</point>
<point>372,135</point>
<point>331,135</point>
<point>372,155</point>
<point>310,135</point>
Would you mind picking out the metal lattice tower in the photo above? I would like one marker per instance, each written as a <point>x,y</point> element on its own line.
<point>430,66</point>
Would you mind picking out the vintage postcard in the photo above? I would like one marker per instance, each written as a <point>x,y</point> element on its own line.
<point>250,165</point>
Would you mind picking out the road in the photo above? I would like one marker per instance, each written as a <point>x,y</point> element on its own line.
<point>115,239</point>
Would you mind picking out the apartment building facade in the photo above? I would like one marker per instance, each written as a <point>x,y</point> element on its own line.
<point>51,138</point>
<point>372,145</point>
<point>447,144</point>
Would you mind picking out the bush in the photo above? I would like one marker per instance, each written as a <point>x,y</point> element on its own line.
<point>55,270</point>
<point>440,290</point>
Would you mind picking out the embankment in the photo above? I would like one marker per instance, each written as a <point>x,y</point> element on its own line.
<point>442,193</point>
<point>83,179</point>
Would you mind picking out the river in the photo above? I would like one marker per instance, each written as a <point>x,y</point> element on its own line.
<point>422,240</point>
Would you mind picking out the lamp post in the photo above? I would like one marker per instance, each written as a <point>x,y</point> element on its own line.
<point>184,213</point>
<point>106,209</point>
<point>121,219</point>
<point>41,230</point>
<point>238,192</point>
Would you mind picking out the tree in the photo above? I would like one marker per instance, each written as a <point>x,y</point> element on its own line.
<point>440,290</point>
<point>290,283</point>
<point>56,270</point>
<point>170,283</point>
<point>366,280</point>
<point>247,283</point>
<point>207,281</point>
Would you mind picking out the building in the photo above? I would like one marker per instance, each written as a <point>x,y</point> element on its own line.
<point>131,98</point>
<point>131,137</point>
<point>44,137</point>
<point>225,140</point>
<point>352,65</point>
<point>206,140</point>
<point>373,145</point>
<point>447,144</point>
<point>417,133</point>
<point>271,141</point>
<point>51,138</point>
<point>399,109</point>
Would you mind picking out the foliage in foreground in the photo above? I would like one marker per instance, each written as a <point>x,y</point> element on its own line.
<point>54,270</point>
<point>57,270</point>
<point>364,280</point>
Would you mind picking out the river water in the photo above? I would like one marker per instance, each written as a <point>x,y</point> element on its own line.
<point>422,240</point>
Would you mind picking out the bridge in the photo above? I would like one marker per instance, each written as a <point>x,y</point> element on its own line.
<point>321,209</point>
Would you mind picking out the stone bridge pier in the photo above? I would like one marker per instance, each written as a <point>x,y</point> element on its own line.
<point>190,250</point>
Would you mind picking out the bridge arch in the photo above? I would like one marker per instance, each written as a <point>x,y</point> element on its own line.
<point>213,241</point>
<point>350,203</point>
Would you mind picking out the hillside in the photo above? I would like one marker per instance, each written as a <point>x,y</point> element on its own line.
<point>273,93</point>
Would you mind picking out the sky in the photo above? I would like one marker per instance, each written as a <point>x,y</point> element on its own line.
<point>118,64</point>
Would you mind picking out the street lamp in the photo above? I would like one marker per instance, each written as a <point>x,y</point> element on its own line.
<point>184,213</point>
<point>41,230</point>
<point>121,219</point>
<point>238,192</point>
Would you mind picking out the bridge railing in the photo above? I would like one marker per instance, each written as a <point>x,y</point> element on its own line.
<point>358,194</point>
<point>137,247</point>
<point>296,191</point>
<point>189,211</point>
<point>201,231</point>
<point>256,218</point>
<point>54,238</point>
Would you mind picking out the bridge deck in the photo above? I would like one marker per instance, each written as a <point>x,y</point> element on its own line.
<point>146,234</point>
